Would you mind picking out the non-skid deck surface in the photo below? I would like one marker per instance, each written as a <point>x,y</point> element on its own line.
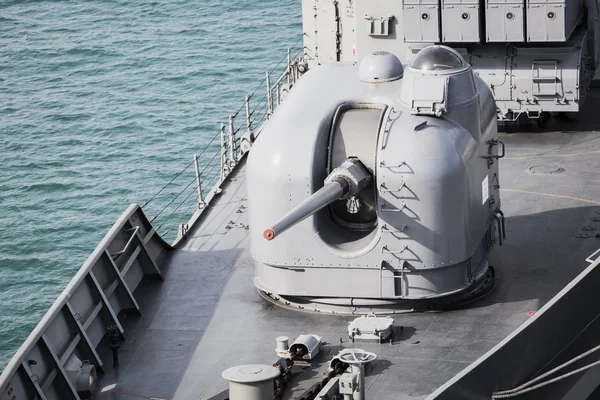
<point>206,316</point>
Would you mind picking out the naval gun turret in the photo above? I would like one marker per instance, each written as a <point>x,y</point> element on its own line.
<point>375,187</point>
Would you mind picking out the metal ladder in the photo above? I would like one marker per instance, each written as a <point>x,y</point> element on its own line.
<point>538,79</point>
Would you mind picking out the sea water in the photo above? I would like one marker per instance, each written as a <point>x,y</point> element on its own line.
<point>101,104</point>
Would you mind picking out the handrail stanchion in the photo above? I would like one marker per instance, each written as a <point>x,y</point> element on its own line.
<point>201,203</point>
<point>278,93</point>
<point>269,96</point>
<point>288,70</point>
<point>231,144</point>
<point>223,152</point>
<point>248,122</point>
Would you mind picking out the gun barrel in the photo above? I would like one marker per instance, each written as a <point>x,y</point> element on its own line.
<point>329,193</point>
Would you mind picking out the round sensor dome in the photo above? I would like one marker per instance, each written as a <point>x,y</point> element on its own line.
<point>380,66</point>
<point>437,58</point>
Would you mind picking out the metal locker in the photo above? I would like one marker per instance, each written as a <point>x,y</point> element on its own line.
<point>421,21</point>
<point>460,21</point>
<point>505,20</point>
<point>552,20</point>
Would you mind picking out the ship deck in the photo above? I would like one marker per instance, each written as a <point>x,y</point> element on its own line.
<point>207,316</point>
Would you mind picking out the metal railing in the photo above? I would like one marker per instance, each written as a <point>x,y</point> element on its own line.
<point>192,188</point>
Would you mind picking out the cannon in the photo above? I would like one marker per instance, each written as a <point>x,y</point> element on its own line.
<point>376,187</point>
<point>344,182</point>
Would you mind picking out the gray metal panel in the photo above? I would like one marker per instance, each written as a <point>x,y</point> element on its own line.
<point>461,21</point>
<point>348,19</point>
<point>320,28</point>
<point>505,20</point>
<point>421,21</point>
<point>541,77</point>
<point>552,20</point>
<point>531,79</point>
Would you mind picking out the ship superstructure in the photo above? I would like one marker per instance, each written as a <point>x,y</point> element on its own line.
<point>537,56</point>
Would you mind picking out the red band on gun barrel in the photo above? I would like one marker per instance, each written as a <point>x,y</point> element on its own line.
<point>269,234</point>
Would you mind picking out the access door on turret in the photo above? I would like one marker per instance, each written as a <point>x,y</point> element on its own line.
<point>461,21</point>
<point>421,21</point>
<point>505,20</point>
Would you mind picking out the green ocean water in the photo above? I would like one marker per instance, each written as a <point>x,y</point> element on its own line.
<point>101,104</point>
